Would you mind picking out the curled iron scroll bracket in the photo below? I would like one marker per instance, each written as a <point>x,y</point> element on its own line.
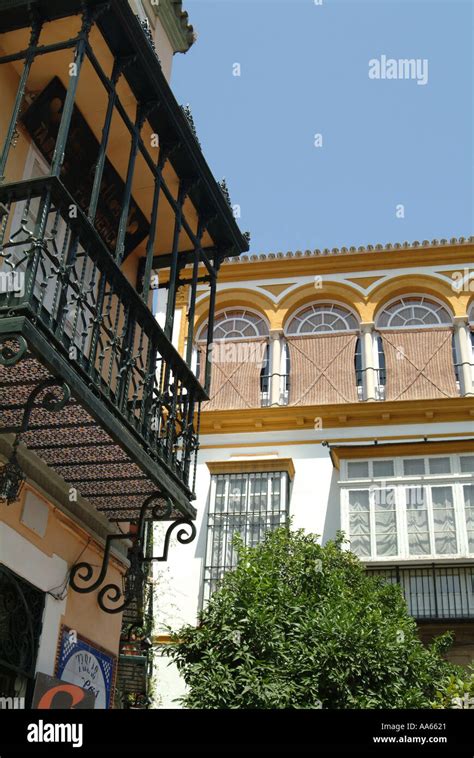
<point>182,536</point>
<point>8,355</point>
<point>49,402</point>
<point>114,599</point>
<point>13,478</point>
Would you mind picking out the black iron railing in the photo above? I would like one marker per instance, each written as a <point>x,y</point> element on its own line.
<point>58,273</point>
<point>434,592</point>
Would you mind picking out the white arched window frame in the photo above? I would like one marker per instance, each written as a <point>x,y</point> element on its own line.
<point>407,312</point>
<point>239,324</point>
<point>236,324</point>
<point>323,318</point>
<point>413,311</point>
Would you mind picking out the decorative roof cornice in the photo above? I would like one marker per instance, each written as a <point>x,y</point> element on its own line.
<point>335,251</point>
<point>176,24</point>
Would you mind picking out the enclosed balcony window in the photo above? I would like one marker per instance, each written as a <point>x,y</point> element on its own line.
<point>240,360</point>
<point>413,507</point>
<point>415,350</point>
<point>322,343</point>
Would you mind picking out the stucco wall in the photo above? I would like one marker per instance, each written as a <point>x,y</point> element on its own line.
<point>314,506</point>
<point>44,560</point>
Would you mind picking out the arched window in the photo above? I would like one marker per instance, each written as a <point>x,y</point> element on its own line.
<point>322,317</point>
<point>414,349</point>
<point>239,326</point>
<point>318,374</point>
<point>236,325</point>
<point>471,315</point>
<point>413,311</point>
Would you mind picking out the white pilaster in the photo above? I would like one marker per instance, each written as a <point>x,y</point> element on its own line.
<point>463,351</point>
<point>369,374</point>
<point>276,336</point>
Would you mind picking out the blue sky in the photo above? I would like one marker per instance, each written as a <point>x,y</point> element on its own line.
<point>304,71</point>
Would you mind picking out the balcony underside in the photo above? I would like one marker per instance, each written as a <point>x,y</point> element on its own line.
<point>84,443</point>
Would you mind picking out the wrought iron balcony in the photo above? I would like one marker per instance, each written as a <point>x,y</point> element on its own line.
<point>88,379</point>
<point>83,319</point>
<point>434,592</point>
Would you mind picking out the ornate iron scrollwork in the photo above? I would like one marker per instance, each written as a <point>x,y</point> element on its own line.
<point>112,598</point>
<point>12,477</point>
<point>49,402</point>
<point>182,537</point>
<point>8,354</point>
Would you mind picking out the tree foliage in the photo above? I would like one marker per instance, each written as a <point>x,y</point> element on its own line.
<point>300,625</point>
<point>457,691</point>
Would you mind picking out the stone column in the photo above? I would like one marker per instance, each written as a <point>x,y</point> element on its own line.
<point>463,352</point>
<point>369,374</point>
<point>276,336</point>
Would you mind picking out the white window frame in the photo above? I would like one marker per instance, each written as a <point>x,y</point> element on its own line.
<point>282,508</point>
<point>373,536</point>
<point>404,301</point>
<point>222,317</point>
<point>326,307</point>
<point>399,481</point>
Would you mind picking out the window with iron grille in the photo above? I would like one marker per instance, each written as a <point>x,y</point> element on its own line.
<point>249,504</point>
<point>21,616</point>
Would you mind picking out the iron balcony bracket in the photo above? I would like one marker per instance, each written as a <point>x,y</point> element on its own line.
<point>136,575</point>
<point>10,355</point>
<point>12,477</point>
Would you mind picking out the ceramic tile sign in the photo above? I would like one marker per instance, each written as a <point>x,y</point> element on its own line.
<point>82,663</point>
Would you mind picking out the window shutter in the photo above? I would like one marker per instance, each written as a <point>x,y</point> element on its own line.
<point>235,383</point>
<point>322,369</point>
<point>419,364</point>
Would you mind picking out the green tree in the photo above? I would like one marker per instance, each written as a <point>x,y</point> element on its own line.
<point>457,691</point>
<point>298,625</point>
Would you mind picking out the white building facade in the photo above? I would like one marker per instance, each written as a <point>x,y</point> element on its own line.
<point>341,397</point>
